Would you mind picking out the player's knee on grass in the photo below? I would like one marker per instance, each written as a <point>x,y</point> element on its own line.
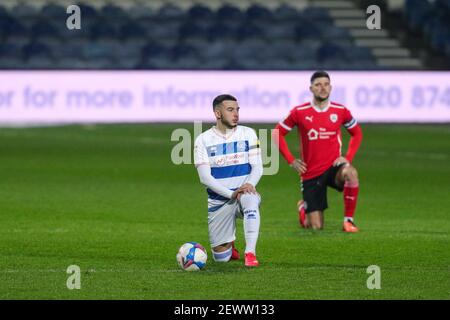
<point>350,174</point>
<point>316,226</point>
<point>315,221</point>
<point>221,256</point>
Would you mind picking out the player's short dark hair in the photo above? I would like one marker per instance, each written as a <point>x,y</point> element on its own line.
<point>223,97</point>
<point>319,74</point>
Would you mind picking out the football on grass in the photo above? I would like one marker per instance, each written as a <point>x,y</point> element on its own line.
<point>192,256</point>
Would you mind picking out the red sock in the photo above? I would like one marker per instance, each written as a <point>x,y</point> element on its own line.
<point>351,190</point>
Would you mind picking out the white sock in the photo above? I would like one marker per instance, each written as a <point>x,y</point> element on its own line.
<point>348,219</point>
<point>250,208</point>
<point>223,256</point>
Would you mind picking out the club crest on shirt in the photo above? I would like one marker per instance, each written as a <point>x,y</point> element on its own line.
<point>333,117</point>
<point>241,146</point>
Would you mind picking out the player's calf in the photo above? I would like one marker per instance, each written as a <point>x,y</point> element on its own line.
<point>351,190</point>
<point>250,209</point>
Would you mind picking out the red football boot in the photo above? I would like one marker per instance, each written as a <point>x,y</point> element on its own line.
<point>301,213</point>
<point>250,260</point>
<point>234,253</point>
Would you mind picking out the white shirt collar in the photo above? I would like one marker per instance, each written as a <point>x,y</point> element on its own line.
<point>318,109</point>
<point>220,134</point>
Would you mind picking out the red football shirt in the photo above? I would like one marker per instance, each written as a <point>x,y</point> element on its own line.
<point>320,134</point>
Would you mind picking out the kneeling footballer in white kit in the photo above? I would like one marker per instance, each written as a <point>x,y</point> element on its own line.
<point>228,161</point>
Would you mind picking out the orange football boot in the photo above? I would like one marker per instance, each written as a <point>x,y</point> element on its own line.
<point>349,226</point>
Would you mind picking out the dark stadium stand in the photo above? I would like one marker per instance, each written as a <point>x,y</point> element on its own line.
<point>281,37</point>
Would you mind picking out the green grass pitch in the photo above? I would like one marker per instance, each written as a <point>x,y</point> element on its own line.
<point>108,199</point>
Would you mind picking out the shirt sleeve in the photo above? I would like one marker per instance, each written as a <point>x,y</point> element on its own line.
<point>201,161</point>
<point>254,158</point>
<point>204,173</point>
<point>349,121</point>
<point>289,122</point>
<point>200,153</point>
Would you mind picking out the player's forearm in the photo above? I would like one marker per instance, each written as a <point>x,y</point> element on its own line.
<point>204,172</point>
<point>354,143</point>
<point>257,170</point>
<point>278,137</point>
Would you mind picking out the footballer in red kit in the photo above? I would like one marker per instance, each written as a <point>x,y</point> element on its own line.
<point>321,164</point>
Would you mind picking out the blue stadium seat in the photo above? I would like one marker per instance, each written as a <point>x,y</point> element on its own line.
<point>245,50</point>
<point>11,49</point>
<point>141,12</point>
<point>287,14</point>
<point>155,50</point>
<point>187,63</point>
<point>229,14</point>
<point>167,30</point>
<point>102,48</point>
<point>40,63</point>
<point>113,12</point>
<point>171,12</point>
<point>329,51</point>
<point>258,13</point>
<point>132,29</point>
<point>192,30</point>
<point>23,11</point>
<point>11,63</point>
<point>316,14</point>
<point>44,29</point>
<point>219,63</point>
<point>217,50</point>
<point>279,31</point>
<point>89,13</point>
<point>98,64</point>
<point>53,12</point>
<point>277,64</point>
<point>3,12</point>
<point>129,63</point>
<point>157,63</point>
<point>305,30</point>
<point>103,29</point>
<point>220,31</point>
<point>183,51</point>
<point>36,49</point>
<point>417,13</point>
<point>13,28</point>
<point>68,63</point>
<point>200,12</point>
<point>306,64</point>
<point>72,49</point>
<point>248,31</point>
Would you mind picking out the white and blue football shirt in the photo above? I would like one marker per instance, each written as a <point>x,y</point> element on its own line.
<point>229,158</point>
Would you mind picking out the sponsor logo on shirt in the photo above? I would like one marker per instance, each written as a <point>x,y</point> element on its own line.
<point>321,134</point>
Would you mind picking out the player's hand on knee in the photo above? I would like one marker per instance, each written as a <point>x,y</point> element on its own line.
<point>236,194</point>
<point>299,166</point>
<point>340,160</point>
<point>248,188</point>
